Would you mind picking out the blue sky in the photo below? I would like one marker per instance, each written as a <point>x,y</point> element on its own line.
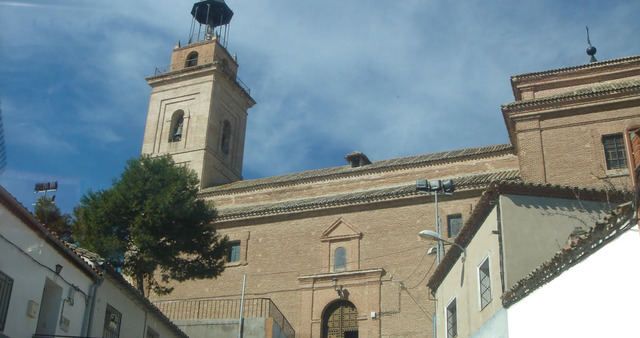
<point>390,78</point>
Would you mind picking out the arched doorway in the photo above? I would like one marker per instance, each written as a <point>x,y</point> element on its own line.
<point>340,320</point>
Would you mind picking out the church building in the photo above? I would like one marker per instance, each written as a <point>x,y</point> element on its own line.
<point>336,249</point>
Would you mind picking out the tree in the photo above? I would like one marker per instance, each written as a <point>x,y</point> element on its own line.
<point>152,225</point>
<point>48,213</point>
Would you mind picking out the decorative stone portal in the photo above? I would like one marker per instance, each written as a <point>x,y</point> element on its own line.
<point>340,304</point>
<point>340,320</point>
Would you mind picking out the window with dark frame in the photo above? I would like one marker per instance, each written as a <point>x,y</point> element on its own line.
<point>112,320</point>
<point>454,224</point>
<point>452,319</point>
<point>6,284</point>
<point>484,280</point>
<point>233,252</point>
<point>614,151</point>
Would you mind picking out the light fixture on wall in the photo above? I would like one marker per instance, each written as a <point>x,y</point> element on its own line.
<point>432,235</point>
<point>342,292</point>
<point>58,269</point>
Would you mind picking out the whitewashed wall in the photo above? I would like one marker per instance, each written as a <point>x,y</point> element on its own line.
<point>598,297</point>
<point>135,317</point>
<point>29,277</point>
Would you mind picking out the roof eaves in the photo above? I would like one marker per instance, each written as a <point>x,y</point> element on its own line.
<point>617,223</point>
<point>488,200</point>
<point>333,173</point>
<point>469,182</point>
<point>27,218</point>
<point>626,87</point>
<point>564,70</point>
<point>142,299</point>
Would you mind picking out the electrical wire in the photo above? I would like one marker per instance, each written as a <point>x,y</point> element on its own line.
<point>353,261</point>
<point>425,276</point>
<point>44,266</point>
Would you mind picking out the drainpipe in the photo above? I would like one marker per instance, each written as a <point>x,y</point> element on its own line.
<point>88,315</point>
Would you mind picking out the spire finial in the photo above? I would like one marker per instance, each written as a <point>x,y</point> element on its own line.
<point>591,51</point>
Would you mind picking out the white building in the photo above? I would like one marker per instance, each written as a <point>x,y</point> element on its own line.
<point>514,228</point>
<point>47,289</point>
<point>588,290</point>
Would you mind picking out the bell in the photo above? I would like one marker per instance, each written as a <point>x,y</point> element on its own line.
<point>177,135</point>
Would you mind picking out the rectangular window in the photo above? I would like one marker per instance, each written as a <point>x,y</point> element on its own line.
<point>614,152</point>
<point>484,281</point>
<point>233,252</point>
<point>6,284</point>
<point>112,320</point>
<point>452,319</point>
<point>151,333</point>
<point>454,224</point>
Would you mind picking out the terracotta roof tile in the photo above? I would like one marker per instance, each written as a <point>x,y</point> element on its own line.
<point>488,200</point>
<point>467,182</point>
<point>617,223</point>
<point>591,65</point>
<point>347,170</point>
<point>594,91</point>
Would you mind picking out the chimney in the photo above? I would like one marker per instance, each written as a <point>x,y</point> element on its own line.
<point>357,159</point>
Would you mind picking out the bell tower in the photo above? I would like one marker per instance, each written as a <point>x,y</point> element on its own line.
<point>198,106</point>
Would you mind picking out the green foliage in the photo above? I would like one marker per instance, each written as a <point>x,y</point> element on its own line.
<point>152,225</point>
<point>48,213</point>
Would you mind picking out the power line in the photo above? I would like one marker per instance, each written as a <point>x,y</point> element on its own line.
<point>425,276</point>
<point>353,261</point>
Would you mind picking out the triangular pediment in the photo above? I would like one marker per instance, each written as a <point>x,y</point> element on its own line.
<point>340,229</point>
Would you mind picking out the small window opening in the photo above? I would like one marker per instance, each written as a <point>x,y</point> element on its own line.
<point>233,252</point>
<point>225,142</point>
<point>452,320</point>
<point>454,224</point>
<point>614,151</point>
<point>339,259</point>
<point>484,279</point>
<point>192,60</point>
<point>112,320</point>
<point>177,126</point>
<point>6,284</point>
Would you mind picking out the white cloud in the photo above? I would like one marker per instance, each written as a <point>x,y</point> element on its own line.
<point>387,78</point>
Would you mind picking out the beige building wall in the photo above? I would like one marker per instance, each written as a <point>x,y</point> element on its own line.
<point>288,259</point>
<point>462,283</point>
<point>519,234</point>
<point>559,118</point>
<point>207,94</point>
<point>535,228</point>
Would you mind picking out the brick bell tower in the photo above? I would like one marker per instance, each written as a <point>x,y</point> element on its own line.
<point>198,106</point>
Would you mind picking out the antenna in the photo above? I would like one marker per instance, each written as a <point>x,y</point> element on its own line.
<point>591,51</point>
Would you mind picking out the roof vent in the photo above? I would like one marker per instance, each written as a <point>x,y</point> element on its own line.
<point>357,159</point>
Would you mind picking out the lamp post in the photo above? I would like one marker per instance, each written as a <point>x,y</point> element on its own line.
<point>446,187</point>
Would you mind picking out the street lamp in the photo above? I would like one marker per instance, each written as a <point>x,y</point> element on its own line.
<point>432,235</point>
<point>446,187</point>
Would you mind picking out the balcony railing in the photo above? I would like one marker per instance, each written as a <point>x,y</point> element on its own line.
<point>203,62</point>
<point>194,309</point>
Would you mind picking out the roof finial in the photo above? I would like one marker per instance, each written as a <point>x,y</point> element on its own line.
<point>591,51</point>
